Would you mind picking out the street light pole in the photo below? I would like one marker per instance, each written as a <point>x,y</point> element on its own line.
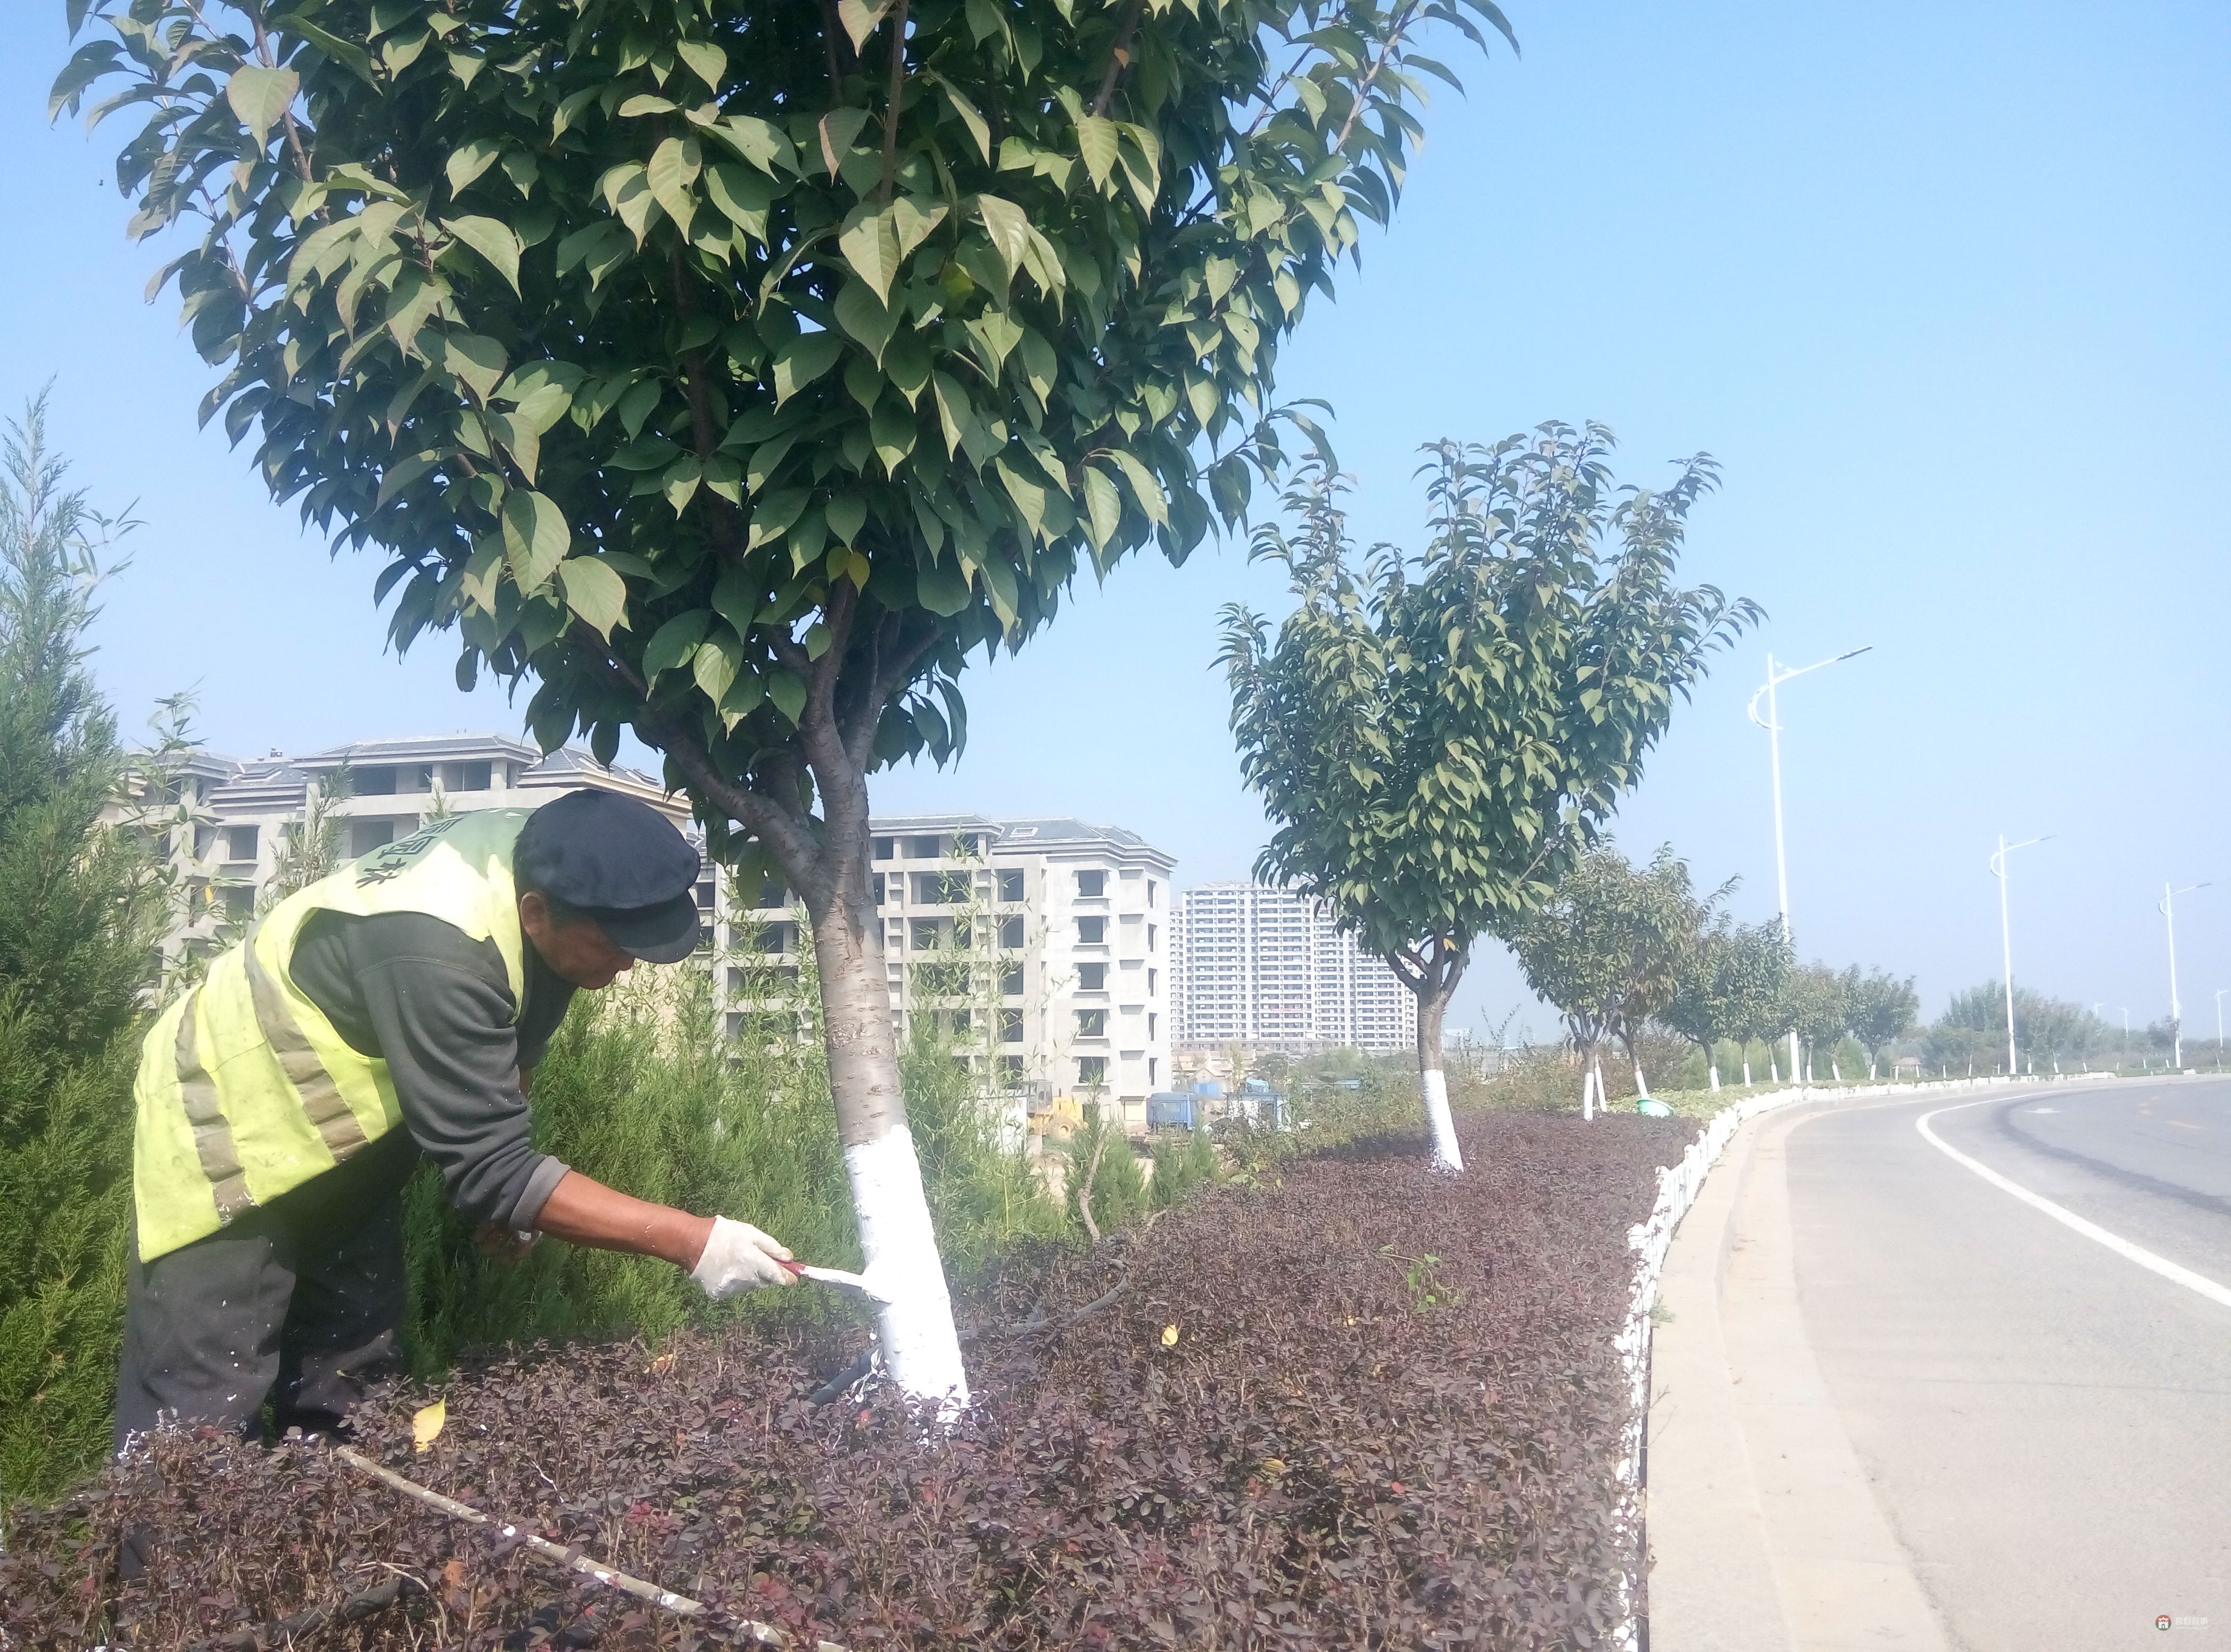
<point>2175,1011</point>
<point>2006,931</point>
<point>2220,991</point>
<point>1772,724</point>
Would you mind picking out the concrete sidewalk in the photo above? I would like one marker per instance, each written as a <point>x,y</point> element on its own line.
<point>1764,1536</point>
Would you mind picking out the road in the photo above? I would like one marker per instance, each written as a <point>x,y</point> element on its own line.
<point>2044,1423</point>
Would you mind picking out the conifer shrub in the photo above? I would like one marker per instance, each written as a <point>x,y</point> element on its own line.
<point>82,907</point>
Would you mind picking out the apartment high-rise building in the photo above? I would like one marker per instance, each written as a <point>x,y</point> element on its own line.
<point>376,791</point>
<point>1047,941</point>
<point>1258,966</point>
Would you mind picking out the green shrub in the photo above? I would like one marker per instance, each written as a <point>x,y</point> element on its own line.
<point>1181,1164</point>
<point>1118,1190</point>
<point>82,907</point>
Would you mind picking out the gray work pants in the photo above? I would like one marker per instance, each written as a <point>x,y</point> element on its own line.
<point>298,1302</point>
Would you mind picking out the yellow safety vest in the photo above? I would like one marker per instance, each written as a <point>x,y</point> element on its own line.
<point>245,1089</point>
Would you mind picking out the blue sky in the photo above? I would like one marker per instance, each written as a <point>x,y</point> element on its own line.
<point>1944,289</point>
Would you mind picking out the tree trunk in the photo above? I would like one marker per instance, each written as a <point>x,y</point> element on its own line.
<point>1432,1079</point>
<point>921,1348</point>
<point>1835,1072</point>
<point>1746,1061</point>
<point>1773,1073</point>
<point>1587,1089</point>
<point>1712,1070</point>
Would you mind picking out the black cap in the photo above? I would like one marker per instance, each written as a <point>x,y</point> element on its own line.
<point>618,861</point>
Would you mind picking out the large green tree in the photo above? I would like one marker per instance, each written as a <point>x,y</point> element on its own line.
<point>82,904</point>
<point>733,370</point>
<point>1437,739</point>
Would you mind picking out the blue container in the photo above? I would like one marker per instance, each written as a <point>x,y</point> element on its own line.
<point>1168,1110</point>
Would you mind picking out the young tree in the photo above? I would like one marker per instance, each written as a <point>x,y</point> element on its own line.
<point>82,905</point>
<point>1703,1009</point>
<point>1814,1006</point>
<point>1610,946</point>
<point>734,370</point>
<point>1883,1010</point>
<point>1436,740</point>
<point>1757,1008</point>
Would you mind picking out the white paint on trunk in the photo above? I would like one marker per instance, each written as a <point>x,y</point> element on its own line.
<point>1712,1068</point>
<point>1835,1072</point>
<point>1433,1085</point>
<point>1746,1073</point>
<point>1641,1084</point>
<point>921,1348</point>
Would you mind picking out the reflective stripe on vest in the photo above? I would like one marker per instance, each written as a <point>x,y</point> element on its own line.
<point>246,1090</point>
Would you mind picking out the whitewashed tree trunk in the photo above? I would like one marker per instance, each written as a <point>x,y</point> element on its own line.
<point>1746,1069</point>
<point>1713,1072</point>
<point>1835,1072</point>
<point>921,1348</point>
<point>1432,1078</point>
<point>1773,1070</point>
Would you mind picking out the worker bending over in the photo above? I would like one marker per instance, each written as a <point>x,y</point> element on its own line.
<point>394,1009</point>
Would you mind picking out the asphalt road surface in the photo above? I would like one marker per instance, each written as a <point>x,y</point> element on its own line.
<point>2044,1420</point>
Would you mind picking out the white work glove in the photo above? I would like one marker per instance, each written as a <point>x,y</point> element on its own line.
<point>739,1258</point>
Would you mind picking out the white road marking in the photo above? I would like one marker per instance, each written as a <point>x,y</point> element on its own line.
<point>2122,1248</point>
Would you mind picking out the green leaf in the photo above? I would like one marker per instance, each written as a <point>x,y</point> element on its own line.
<point>674,643</point>
<point>707,61</point>
<point>493,241</point>
<point>775,514</point>
<point>804,360</point>
<point>673,167</point>
<point>943,588</point>
<point>862,314</point>
<point>756,141</point>
<point>860,18</point>
<point>483,573</point>
<point>1097,140</point>
<point>742,197</point>
<point>892,428</point>
<point>716,662</point>
<point>259,96</point>
<point>978,128</point>
<point>477,360</point>
<point>535,537</point>
<point>787,692</point>
<point>595,592</point>
<point>681,480</point>
<point>520,439</point>
<point>837,130</point>
<point>644,104</point>
<point>736,599</point>
<point>1009,228</point>
<point>1103,506</point>
<point>870,245</point>
<point>469,160</point>
<point>1144,487</point>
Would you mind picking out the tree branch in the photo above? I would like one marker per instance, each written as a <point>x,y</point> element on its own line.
<point>898,20</point>
<point>1119,56</point>
<point>1364,90</point>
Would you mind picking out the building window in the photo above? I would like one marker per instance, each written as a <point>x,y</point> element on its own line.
<point>1092,1069</point>
<point>773,895</point>
<point>1011,1069</point>
<point>964,1021</point>
<point>1010,981</point>
<point>1011,934</point>
<point>1152,976</point>
<point>968,843</point>
<point>240,842</point>
<point>1010,886</point>
<point>372,782</point>
<point>1092,1023</point>
<point>941,888</point>
<point>1092,931</point>
<point>885,847</point>
<point>364,836</point>
<point>471,777</point>
<point>204,842</point>
<point>239,902</point>
<point>925,934</point>
<point>924,848</point>
<point>1150,892</point>
<point>876,889</point>
<point>1011,1026</point>
<point>1092,977</point>
<point>1152,1021</point>
<point>705,895</point>
<point>1091,885</point>
<point>1152,1064</point>
<point>1150,938</point>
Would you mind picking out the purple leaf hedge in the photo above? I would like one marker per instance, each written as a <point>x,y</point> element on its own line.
<point>1356,1403</point>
